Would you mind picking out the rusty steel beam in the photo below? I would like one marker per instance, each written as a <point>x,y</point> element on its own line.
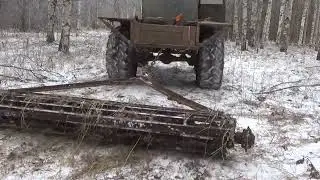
<point>72,86</point>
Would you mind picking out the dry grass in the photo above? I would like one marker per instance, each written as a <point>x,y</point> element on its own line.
<point>96,164</point>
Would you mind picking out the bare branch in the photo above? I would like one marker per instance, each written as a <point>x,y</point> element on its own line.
<point>37,75</point>
<point>290,87</point>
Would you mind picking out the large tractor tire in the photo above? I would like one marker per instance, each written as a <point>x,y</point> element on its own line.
<point>120,58</point>
<point>210,65</point>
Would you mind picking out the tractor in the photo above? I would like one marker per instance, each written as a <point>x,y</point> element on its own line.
<point>168,31</point>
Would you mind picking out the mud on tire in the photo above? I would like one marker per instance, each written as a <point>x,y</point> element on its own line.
<point>120,58</point>
<point>209,69</point>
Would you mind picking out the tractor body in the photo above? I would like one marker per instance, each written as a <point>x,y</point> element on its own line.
<point>191,28</point>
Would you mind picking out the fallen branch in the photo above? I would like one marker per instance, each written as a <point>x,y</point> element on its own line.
<point>15,78</point>
<point>41,68</point>
<point>282,83</point>
<point>131,151</point>
<point>312,67</point>
<point>37,75</point>
<point>289,87</point>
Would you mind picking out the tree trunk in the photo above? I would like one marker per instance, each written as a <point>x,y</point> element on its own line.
<point>229,17</point>
<point>275,18</point>
<point>78,17</point>
<point>66,26</point>
<point>23,18</point>
<point>317,36</point>
<point>309,23</point>
<point>254,21</point>
<point>29,15</point>
<point>266,23</point>
<point>304,25</point>
<point>52,17</point>
<point>281,19</point>
<point>318,48</point>
<point>259,23</point>
<point>315,26</point>
<point>284,38</point>
<point>240,20</point>
<point>244,26</point>
<point>236,23</point>
<point>250,24</point>
<point>295,25</point>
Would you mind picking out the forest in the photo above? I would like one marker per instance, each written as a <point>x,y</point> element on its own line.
<point>254,22</point>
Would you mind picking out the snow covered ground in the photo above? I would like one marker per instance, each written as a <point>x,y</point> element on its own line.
<point>286,121</point>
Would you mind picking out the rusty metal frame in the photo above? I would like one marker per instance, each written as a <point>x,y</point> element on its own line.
<point>163,36</point>
<point>215,130</point>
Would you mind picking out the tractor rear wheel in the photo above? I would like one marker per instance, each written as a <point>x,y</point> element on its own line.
<point>210,65</point>
<point>120,58</point>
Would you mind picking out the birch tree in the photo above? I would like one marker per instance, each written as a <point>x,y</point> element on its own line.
<point>315,23</point>
<point>318,46</point>
<point>275,18</point>
<point>78,17</point>
<point>236,23</point>
<point>259,25</point>
<point>229,18</point>
<point>284,37</point>
<point>244,26</point>
<point>281,19</point>
<point>240,21</point>
<point>250,23</point>
<point>66,26</point>
<point>317,37</point>
<point>23,6</point>
<point>254,21</point>
<point>318,56</point>
<point>52,17</point>
<point>267,5</point>
<point>303,29</point>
